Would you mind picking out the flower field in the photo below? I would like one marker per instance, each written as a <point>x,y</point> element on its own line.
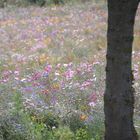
<point>52,72</point>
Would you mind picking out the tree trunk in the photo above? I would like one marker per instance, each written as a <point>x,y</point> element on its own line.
<point>118,98</point>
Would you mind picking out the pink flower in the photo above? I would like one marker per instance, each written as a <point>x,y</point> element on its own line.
<point>89,68</point>
<point>69,74</point>
<point>58,65</point>
<point>48,68</point>
<point>16,72</point>
<point>78,70</point>
<point>83,65</point>
<point>36,76</point>
<point>40,45</point>
<point>93,98</point>
<point>85,85</point>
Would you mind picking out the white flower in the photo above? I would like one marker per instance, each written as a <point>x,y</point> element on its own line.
<point>91,104</point>
<point>57,74</point>
<point>53,127</point>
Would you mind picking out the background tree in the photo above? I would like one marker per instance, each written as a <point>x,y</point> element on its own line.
<point>3,3</point>
<point>118,99</point>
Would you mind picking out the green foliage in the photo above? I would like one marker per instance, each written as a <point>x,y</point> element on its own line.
<point>12,129</point>
<point>51,121</point>
<point>17,128</point>
<point>30,117</point>
<point>82,134</point>
<point>57,2</point>
<point>38,2</point>
<point>1,4</point>
<point>74,122</point>
<point>18,104</point>
<point>64,133</point>
<point>18,125</point>
<point>4,3</point>
<point>96,127</point>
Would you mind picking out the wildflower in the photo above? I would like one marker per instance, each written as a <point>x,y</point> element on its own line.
<point>83,117</point>
<point>16,78</point>
<point>53,127</point>
<point>78,70</point>
<point>28,90</point>
<point>16,72</point>
<point>35,84</point>
<point>45,74</point>
<point>58,65</point>
<point>43,58</point>
<point>47,41</point>
<point>23,80</point>
<point>48,68</point>
<point>46,91</point>
<point>92,100</point>
<point>83,65</point>
<point>86,84</point>
<point>56,86</point>
<point>65,65</point>
<point>57,74</point>
<point>89,119</point>
<point>69,74</point>
<point>37,46</point>
<point>36,76</point>
<point>91,104</point>
<point>70,64</point>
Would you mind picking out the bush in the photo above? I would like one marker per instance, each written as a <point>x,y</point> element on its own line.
<point>11,129</point>
<point>95,127</point>
<point>74,122</point>
<point>18,124</point>
<point>1,4</point>
<point>51,121</point>
<point>38,2</point>
<point>82,134</point>
<point>64,133</point>
<point>58,1</point>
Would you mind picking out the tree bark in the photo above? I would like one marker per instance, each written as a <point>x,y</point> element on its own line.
<point>119,98</point>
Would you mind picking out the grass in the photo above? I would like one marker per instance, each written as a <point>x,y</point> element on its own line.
<point>54,58</point>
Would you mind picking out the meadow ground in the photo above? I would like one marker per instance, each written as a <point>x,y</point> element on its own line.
<point>52,61</point>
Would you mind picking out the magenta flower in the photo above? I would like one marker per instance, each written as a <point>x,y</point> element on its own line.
<point>36,76</point>
<point>48,68</point>
<point>69,74</point>
<point>85,84</point>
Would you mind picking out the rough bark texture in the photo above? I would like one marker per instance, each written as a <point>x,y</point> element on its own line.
<point>118,98</point>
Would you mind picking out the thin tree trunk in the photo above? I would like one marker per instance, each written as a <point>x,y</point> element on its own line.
<point>118,98</point>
